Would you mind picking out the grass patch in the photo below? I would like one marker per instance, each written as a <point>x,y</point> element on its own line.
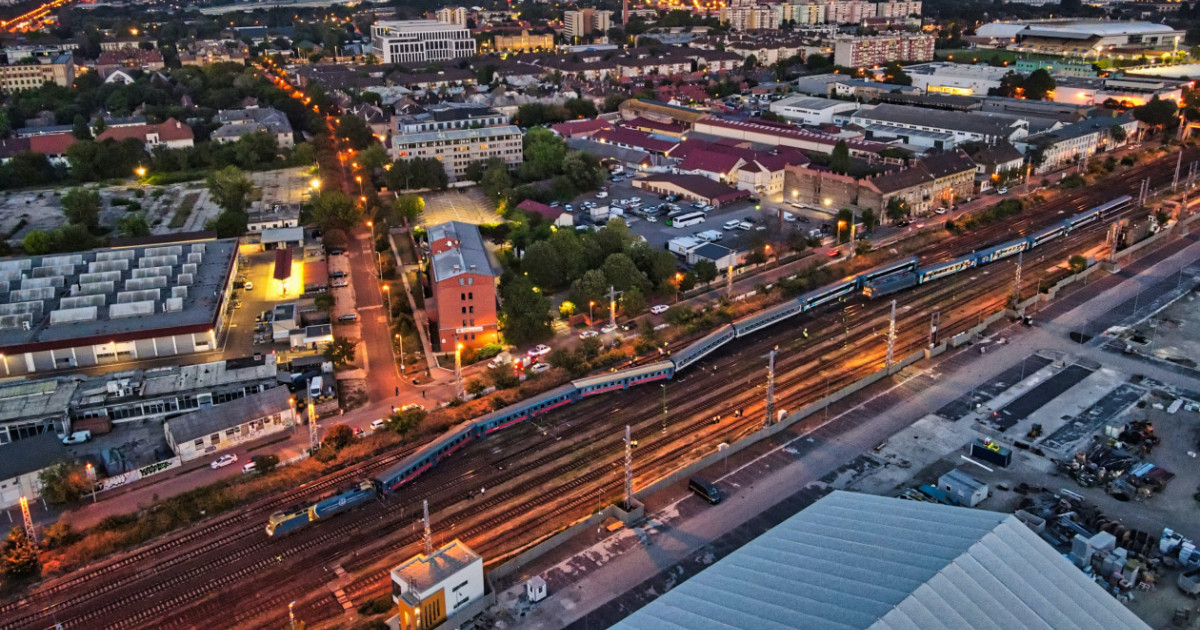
<point>184,210</point>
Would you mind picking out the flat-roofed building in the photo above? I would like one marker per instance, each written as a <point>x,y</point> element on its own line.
<point>442,589</point>
<point>810,110</point>
<point>457,148</point>
<point>420,41</point>
<point>206,431</point>
<point>32,72</point>
<point>524,42</point>
<point>856,52</point>
<point>157,297</point>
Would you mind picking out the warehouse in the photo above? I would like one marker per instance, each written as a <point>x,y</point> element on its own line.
<point>209,430</point>
<point>861,561</point>
<point>114,305</point>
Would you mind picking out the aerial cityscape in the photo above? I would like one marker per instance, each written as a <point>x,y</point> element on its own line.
<point>633,314</point>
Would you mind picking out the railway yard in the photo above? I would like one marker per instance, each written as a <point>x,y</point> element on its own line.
<point>528,481</point>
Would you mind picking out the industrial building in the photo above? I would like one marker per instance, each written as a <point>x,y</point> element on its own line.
<point>420,41</point>
<point>204,432</point>
<point>944,130</point>
<point>1082,38</point>
<point>114,305</point>
<point>854,561</point>
<point>809,110</point>
<point>443,589</point>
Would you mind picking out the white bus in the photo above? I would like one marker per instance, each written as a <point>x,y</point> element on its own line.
<point>689,219</point>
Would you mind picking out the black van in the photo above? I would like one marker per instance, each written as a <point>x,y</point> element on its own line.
<point>705,489</point>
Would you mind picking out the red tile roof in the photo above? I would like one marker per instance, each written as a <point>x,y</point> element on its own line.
<point>578,128</point>
<point>633,138</point>
<point>536,207</point>
<point>168,131</point>
<point>645,124</point>
<point>710,162</point>
<point>51,144</point>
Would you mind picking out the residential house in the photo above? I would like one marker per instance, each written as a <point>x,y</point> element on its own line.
<point>169,133</point>
<point>236,123</point>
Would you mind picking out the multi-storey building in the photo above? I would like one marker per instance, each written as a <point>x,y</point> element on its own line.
<point>463,279</point>
<point>446,116</point>
<point>452,15</point>
<point>420,41</point>
<point>236,123</point>
<point>31,72</point>
<point>580,24</point>
<point>523,42</point>
<point>852,12</point>
<point>869,51</point>
<point>457,148</point>
<point>745,15</point>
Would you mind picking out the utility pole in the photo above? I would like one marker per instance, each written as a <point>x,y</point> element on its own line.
<point>891,351</point>
<point>30,532</point>
<point>729,281</point>
<point>428,530</point>
<point>628,469</point>
<point>1017,280</point>
<point>612,306</point>
<point>770,419</point>
<point>933,328</point>
<point>1178,165</point>
<point>850,247</point>
<point>314,437</point>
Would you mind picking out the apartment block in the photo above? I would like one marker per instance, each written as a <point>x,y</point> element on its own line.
<point>31,72</point>
<point>879,49</point>
<point>456,148</point>
<point>452,15</point>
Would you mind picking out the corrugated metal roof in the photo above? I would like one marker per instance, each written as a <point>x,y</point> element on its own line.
<point>854,561</point>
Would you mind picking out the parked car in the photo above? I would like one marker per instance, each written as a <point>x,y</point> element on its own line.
<point>1002,191</point>
<point>940,211</point>
<point>602,194</point>
<point>337,274</point>
<point>378,424</point>
<point>223,461</point>
<point>608,329</point>
<point>249,467</point>
<point>497,362</point>
<point>337,284</point>
<point>411,406</point>
<point>539,351</point>
<point>554,204</point>
<point>348,317</point>
<point>337,251</point>
<point>659,309</point>
<point>538,368</point>
<point>569,208</point>
<point>249,286</point>
<point>588,334</point>
<point>78,437</point>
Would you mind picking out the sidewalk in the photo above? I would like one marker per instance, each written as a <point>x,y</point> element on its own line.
<point>599,580</point>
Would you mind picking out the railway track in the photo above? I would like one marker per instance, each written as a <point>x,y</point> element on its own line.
<point>177,588</point>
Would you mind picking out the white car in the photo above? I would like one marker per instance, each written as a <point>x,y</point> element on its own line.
<point>652,219</point>
<point>1002,191</point>
<point>378,424</point>
<point>249,286</point>
<point>539,351</point>
<point>637,199</point>
<point>538,368</point>
<point>588,334</point>
<point>940,211</point>
<point>601,195</point>
<point>411,406</point>
<point>337,284</point>
<point>223,461</point>
<point>568,208</point>
<point>608,329</point>
<point>659,309</point>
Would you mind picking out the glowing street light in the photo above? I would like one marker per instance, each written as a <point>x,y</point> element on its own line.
<point>140,171</point>
<point>315,184</point>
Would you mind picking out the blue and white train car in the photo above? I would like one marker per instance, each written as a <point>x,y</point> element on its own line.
<point>883,271</point>
<point>702,347</point>
<point>281,523</point>
<point>1047,235</point>
<point>427,457</point>
<point>344,500</point>
<point>992,254</point>
<point>623,379</point>
<point>890,284</point>
<point>760,320</point>
<point>824,295</point>
<point>528,408</point>
<point>941,270</point>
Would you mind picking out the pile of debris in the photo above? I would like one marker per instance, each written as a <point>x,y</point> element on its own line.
<point>1099,465</point>
<point>1115,462</point>
<point>1119,558</point>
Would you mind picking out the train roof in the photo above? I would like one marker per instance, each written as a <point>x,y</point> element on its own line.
<point>637,371</point>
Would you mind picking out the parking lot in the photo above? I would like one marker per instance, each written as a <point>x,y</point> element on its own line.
<point>468,205</point>
<point>765,224</point>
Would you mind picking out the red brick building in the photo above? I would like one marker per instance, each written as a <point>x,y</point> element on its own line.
<point>463,282</point>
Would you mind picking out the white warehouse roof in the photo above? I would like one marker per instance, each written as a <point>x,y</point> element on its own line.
<point>1072,28</point>
<point>853,561</point>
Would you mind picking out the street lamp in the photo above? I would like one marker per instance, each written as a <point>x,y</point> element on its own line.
<point>400,343</point>
<point>591,305</point>
<point>140,171</point>
<point>315,184</point>
<point>358,178</point>
<point>458,370</point>
<point>678,281</point>
<point>91,474</point>
<point>387,295</point>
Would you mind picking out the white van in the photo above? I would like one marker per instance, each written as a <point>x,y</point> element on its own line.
<point>731,224</point>
<point>316,386</point>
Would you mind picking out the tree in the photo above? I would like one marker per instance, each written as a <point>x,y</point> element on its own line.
<point>633,302</point>
<point>265,463</point>
<point>355,131</point>
<point>229,224</point>
<point>705,270</point>
<point>897,209</point>
<point>80,128</point>
<point>338,437</point>
<point>845,219</point>
<point>894,74</point>
<point>374,157</point>
<point>64,482</point>
<point>334,209</point>
<point>1116,133</point>
<point>230,189</point>
<point>406,421</point>
<point>622,274</point>
<point>409,207</point>
<point>133,225</point>
<point>542,265</point>
<point>18,555</point>
<point>36,242</point>
<point>526,312</point>
<point>1077,263</point>
<point>868,219</point>
<point>59,534</point>
<point>340,351</point>
<point>1038,85</point>
<point>1157,113</point>
<point>584,171</point>
<point>612,102</point>
<point>82,206</point>
<point>325,302</point>
<point>839,159</point>
<point>545,152</point>
<point>592,286</point>
<point>475,387</point>
<point>581,108</point>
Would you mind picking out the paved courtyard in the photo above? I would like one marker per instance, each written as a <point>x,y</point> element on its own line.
<point>468,205</point>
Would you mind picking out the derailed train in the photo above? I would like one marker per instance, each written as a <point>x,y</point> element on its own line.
<point>875,282</point>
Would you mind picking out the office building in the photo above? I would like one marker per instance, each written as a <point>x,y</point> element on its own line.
<point>463,278</point>
<point>420,41</point>
<point>31,72</point>
<point>857,52</point>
